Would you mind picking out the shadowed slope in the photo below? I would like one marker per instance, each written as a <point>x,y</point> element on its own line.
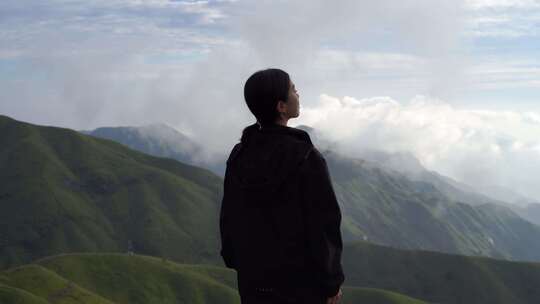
<point>441,278</point>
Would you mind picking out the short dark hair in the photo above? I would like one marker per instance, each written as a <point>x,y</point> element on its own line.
<point>262,92</point>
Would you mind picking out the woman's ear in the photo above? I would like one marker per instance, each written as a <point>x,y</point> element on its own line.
<point>281,106</point>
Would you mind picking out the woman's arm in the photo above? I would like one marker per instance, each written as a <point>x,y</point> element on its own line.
<point>323,220</point>
<point>225,225</point>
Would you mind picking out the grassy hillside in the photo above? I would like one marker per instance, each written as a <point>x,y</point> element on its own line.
<point>35,283</point>
<point>374,274</point>
<point>63,191</point>
<point>376,296</point>
<point>120,278</point>
<point>441,278</point>
<point>18,296</point>
<point>428,211</point>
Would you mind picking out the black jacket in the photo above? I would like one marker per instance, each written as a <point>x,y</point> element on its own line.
<point>280,219</point>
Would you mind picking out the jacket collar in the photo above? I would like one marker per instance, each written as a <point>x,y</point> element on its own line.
<point>286,130</point>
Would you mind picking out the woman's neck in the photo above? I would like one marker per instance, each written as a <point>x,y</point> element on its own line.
<point>282,122</point>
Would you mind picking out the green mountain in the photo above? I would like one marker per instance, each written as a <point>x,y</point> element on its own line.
<point>391,199</point>
<point>162,141</point>
<point>375,296</point>
<point>63,191</point>
<point>117,278</point>
<point>121,278</point>
<point>404,163</point>
<point>374,274</point>
<point>441,278</point>
<point>389,208</point>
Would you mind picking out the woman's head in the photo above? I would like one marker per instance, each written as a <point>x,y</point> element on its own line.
<point>271,96</point>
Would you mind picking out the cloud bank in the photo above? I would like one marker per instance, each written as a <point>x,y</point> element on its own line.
<point>88,64</point>
<point>479,148</point>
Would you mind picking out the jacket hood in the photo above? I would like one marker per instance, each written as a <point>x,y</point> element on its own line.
<point>266,157</point>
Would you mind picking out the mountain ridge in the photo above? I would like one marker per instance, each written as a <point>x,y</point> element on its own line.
<point>64,191</point>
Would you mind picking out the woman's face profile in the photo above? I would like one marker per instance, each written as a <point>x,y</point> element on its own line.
<point>293,101</point>
<point>291,108</point>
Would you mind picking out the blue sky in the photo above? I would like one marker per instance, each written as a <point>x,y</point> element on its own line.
<point>471,64</point>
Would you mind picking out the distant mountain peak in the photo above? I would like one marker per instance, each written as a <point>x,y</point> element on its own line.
<point>160,139</point>
<point>158,126</point>
<point>162,131</point>
<point>402,161</point>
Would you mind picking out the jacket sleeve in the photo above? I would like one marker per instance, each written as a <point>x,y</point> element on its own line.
<point>225,226</point>
<point>323,220</point>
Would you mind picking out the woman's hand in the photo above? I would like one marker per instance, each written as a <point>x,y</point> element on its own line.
<point>335,299</point>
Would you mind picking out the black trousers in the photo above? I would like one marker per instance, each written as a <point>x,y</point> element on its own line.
<point>280,295</point>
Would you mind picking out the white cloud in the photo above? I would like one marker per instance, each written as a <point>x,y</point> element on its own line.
<point>477,147</point>
<point>87,28</point>
<point>503,72</point>
<point>508,19</point>
<point>116,55</point>
<point>491,4</point>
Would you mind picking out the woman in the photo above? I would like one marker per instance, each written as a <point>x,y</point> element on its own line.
<point>280,219</point>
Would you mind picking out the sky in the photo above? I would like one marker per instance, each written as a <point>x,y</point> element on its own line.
<point>454,82</point>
